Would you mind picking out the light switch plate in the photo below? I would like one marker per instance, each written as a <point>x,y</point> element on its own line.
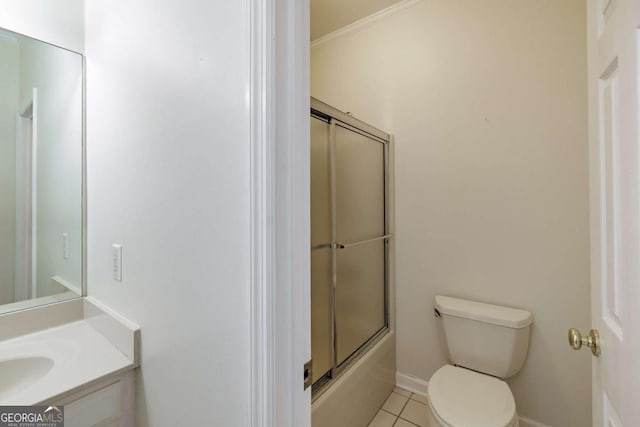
<point>65,245</point>
<point>116,255</point>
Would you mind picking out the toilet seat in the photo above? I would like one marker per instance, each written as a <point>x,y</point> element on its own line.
<point>460,397</point>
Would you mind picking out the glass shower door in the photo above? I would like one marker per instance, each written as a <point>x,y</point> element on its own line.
<point>360,229</point>
<point>348,241</point>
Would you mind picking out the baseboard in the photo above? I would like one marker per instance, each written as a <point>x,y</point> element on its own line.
<point>528,422</point>
<point>411,383</point>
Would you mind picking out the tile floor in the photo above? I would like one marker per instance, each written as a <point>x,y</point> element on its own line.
<point>402,409</point>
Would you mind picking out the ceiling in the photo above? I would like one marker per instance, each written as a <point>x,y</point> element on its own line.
<point>328,16</point>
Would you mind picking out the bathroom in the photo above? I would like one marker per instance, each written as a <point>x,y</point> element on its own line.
<point>487,104</point>
<point>196,185</point>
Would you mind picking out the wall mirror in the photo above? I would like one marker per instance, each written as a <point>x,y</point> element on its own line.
<point>41,173</point>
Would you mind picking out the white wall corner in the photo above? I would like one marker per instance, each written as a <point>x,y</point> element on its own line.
<point>411,383</point>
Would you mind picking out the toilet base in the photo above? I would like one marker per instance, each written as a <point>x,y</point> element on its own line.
<point>434,421</point>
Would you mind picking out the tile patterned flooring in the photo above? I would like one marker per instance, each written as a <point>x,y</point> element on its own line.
<point>402,409</point>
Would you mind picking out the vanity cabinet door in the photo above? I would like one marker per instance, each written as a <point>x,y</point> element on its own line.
<point>100,408</point>
<point>108,404</point>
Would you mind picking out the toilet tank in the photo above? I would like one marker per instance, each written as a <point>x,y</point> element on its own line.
<point>487,338</point>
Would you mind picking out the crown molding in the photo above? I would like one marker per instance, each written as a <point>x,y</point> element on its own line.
<point>386,12</point>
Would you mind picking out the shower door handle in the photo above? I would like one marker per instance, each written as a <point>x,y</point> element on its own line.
<point>360,242</point>
<point>324,246</point>
<point>336,245</point>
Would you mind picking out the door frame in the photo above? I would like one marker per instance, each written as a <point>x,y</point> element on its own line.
<point>279,101</point>
<point>26,199</point>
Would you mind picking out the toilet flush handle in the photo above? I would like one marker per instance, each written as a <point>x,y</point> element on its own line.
<point>576,340</point>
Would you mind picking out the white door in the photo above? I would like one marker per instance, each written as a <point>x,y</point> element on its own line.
<point>614,73</point>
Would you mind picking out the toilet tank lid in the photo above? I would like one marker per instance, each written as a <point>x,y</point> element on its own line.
<point>495,314</point>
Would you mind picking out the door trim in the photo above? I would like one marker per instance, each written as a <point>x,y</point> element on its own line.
<point>280,252</point>
<point>262,232</point>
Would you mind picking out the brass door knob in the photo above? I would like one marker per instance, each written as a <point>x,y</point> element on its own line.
<point>576,340</point>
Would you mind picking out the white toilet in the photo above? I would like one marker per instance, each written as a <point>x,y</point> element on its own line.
<point>485,343</point>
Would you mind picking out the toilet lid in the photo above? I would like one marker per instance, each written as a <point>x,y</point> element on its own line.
<point>464,398</point>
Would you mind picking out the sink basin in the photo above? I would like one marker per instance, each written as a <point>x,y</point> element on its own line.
<point>38,368</point>
<point>20,373</point>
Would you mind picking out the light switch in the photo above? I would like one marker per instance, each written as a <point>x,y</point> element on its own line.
<point>116,254</point>
<point>65,245</point>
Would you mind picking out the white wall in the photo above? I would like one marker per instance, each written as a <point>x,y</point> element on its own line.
<point>168,176</point>
<point>57,76</point>
<point>8,107</point>
<point>487,101</point>
<point>60,22</point>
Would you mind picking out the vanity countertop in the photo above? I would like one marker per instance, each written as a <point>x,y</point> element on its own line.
<point>57,361</point>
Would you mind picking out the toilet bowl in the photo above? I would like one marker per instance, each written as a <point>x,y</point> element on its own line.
<point>486,343</point>
<point>459,397</point>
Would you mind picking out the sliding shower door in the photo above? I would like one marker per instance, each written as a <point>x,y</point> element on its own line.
<point>360,228</point>
<point>349,239</point>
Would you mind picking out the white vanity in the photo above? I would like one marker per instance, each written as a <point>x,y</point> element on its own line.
<point>57,346</point>
<point>74,353</point>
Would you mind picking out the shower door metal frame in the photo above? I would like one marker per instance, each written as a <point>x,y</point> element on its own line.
<point>336,118</point>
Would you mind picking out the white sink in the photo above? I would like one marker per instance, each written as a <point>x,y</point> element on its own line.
<point>40,366</point>
<point>21,373</point>
<point>33,363</point>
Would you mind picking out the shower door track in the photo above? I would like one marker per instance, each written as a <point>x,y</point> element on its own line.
<point>334,118</point>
